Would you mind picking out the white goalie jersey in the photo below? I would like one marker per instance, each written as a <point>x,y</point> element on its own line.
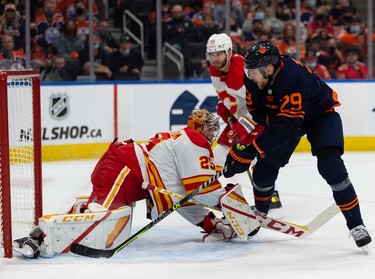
<point>180,162</point>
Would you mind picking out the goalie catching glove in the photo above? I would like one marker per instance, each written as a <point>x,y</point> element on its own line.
<point>216,229</point>
<point>239,159</point>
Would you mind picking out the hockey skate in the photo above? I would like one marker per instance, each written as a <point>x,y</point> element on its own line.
<point>27,247</point>
<point>360,235</point>
<point>275,201</point>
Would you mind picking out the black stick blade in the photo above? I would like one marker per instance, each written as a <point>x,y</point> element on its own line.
<point>82,250</point>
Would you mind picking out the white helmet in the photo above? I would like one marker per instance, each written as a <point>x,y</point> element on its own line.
<point>218,42</point>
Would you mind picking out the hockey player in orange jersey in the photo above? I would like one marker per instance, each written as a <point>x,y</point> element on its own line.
<point>177,161</point>
<point>227,76</point>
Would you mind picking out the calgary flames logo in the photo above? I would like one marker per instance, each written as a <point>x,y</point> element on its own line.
<point>262,50</point>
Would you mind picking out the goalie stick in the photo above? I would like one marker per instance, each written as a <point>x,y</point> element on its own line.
<point>82,250</point>
<point>274,224</point>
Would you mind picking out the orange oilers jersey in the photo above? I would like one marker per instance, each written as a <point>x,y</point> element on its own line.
<point>230,86</point>
<point>180,162</point>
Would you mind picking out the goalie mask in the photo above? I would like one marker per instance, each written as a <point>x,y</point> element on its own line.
<point>205,123</point>
<point>217,43</point>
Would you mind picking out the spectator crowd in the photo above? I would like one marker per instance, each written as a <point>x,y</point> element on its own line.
<point>333,36</point>
<point>59,47</point>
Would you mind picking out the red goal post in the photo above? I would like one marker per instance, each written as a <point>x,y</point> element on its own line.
<point>20,155</point>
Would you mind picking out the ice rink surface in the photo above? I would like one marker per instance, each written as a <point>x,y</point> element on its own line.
<point>173,248</point>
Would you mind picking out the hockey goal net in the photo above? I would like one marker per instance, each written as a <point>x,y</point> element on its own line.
<point>20,155</point>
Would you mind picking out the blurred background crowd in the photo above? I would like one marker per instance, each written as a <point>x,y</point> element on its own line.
<point>333,40</point>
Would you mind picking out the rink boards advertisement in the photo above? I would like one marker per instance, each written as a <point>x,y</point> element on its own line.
<point>81,119</point>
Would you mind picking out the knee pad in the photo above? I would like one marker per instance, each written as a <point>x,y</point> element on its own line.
<point>330,165</point>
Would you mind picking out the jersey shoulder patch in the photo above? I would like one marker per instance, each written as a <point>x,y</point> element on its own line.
<point>198,139</point>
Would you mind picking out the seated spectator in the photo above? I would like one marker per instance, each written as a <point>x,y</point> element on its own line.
<point>319,23</point>
<point>48,63</point>
<point>177,29</point>
<point>102,63</point>
<point>307,12</point>
<point>316,64</point>
<point>356,34</point>
<point>8,55</point>
<point>118,7</point>
<point>38,48</point>
<point>194,12</point>
<point>11,24</point>
<point>50,26</point>
<point>165,12</point>
<point>288,44</point>
<point>109,43</point>
<point>59,70</point>
<point>166,16</point>
<point>285,13</point>
<point>201,34</point>
<point>252,30</point>
<point>82,20</point>
<point>340,10</point>
<point>352,69</point>
<point>68,8</point>
<point>344,17</point>
<point>236,12</point>
<point>70,43</point>
<point>235,30</point>
<point>334,55</point>
<point>126,62</point>
<point>36,9</point>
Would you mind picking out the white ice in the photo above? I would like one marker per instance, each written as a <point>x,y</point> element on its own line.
<point>173,249</point>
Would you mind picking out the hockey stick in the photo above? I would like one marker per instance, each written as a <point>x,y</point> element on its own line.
<point>272,223</point>
<point>250,177</point>
<point>312,226</point>
<point>175,195</point>
<point>82,250</point>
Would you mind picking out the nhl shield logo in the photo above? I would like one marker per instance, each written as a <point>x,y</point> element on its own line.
<point>59,107</point>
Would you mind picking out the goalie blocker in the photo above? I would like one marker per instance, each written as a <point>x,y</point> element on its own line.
<point>238,215</point>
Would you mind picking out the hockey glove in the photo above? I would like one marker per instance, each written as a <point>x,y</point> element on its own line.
<point>247,130</point>
<point>239,159</point>
<point>223,112</point>
<point>216,229</point>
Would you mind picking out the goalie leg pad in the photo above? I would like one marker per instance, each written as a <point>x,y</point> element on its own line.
<point>100,230</point>
<point>238,212</point>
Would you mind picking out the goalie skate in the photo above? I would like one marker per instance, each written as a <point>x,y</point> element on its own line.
<point>26,247</point>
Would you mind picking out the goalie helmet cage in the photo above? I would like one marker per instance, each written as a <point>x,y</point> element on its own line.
<point>20,154</point>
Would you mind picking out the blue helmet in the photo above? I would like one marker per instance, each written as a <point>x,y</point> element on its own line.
<point>261,54</point>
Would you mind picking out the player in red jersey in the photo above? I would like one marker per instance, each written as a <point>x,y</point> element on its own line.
<point>291,101</point>
<point>227,76</point>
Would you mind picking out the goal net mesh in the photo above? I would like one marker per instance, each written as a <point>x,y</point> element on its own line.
<point>21,158</point>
